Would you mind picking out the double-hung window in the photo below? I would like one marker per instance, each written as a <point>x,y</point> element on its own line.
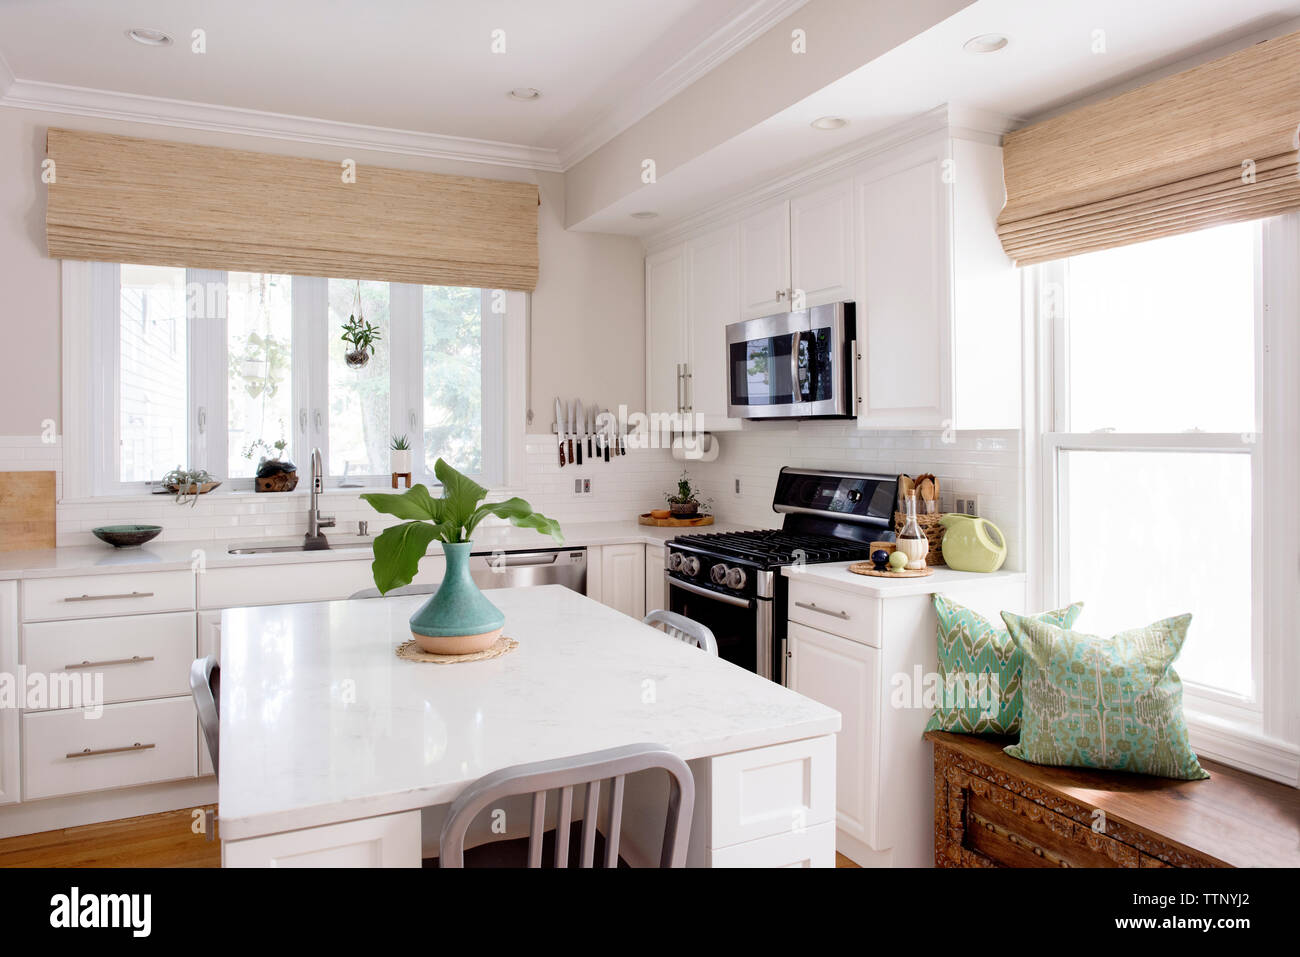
<point>189,368</point>
<point>1155,447</point>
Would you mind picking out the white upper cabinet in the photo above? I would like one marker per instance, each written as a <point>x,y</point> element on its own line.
<point>765,262</point>
<point>712,303</point>
<point>938,314</point>
<point>665,319</point>
<point>821,245</point>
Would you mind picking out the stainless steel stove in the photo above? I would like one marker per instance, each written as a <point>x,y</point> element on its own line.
<point>732,581</point>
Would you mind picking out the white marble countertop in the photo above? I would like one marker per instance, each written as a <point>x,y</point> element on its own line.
<point>169,556</point>
<point>321,722</point>
<point>837,575</point>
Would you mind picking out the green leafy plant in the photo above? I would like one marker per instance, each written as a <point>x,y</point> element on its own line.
<point>360,334</point>
<point>684,495</point>
<point>400,443</point>
<point>451,518</point>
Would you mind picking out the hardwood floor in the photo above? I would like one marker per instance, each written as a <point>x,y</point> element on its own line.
<point>153,840</point>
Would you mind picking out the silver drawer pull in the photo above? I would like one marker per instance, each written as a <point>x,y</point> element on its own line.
<point>812,606</point>
<point>134,659</point>
<point>133,594</point>
<point>89,753</point>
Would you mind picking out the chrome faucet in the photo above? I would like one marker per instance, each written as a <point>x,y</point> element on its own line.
<point>315,520</point>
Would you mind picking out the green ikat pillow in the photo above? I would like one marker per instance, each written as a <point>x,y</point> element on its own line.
<point>1113,703</point>
<point>979,678</point>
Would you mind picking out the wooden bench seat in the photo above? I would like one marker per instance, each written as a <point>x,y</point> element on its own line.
<point>995,810</point>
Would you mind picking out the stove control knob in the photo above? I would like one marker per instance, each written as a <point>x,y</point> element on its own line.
<point>691,566</point>
<point>736,579</point>
<point>674,561</point>
<point>719,573</point>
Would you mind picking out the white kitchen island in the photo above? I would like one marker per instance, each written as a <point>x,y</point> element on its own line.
<point>336,752</point>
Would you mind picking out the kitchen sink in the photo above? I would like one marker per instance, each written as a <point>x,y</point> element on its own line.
<point>271,546</point>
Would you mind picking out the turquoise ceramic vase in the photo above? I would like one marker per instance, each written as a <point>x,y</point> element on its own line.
<point>457,619</point>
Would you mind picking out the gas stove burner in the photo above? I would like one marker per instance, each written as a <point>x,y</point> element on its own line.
<point>773,548</point>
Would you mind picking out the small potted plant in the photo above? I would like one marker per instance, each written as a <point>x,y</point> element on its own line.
<point>273,474</point>
<point>399,455</point>
<point>361,337</point>
<point>684,502</point>
<point>457,619</point>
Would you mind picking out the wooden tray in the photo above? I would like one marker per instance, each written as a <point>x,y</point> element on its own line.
<point>868,568</point>
<point>646,519</point>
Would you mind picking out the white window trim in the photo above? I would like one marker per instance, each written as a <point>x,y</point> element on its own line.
<point>1262,736</point>
<point>89,349</point>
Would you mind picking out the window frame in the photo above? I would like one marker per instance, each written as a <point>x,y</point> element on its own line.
<point>91,389</point>
<point>1259,733</point>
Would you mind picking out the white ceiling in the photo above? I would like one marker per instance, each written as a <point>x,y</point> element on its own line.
<point>417,65</point>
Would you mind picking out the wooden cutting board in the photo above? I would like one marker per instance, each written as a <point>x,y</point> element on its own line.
<point>26,510</point>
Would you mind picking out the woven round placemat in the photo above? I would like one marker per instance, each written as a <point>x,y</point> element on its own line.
<point>866,568</point>
<point>411,652</point>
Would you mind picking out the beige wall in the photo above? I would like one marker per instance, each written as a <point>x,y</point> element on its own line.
<point>588,311</point>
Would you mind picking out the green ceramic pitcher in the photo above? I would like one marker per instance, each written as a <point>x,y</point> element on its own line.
<point>972,544</point>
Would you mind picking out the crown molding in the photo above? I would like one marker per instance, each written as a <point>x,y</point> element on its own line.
<point>708,54</point>
<point>186,114</point>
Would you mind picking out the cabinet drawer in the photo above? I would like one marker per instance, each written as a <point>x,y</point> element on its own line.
<point>139,656</point>
<point>856,617</point>
<point>142,742</point>
<point>811,847</point>
<point>769,791</point>
<point>95,596</point>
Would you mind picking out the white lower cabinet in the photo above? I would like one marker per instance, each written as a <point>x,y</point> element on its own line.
<point>844,675</point>
<point>309,581</point>
<point>654,578</point>
<point>9,723</point>
<point>616,577</point>
<point>389,841</point>
<point>140,742</point>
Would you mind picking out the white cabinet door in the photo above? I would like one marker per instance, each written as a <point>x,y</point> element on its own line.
<point>622,574</point>
<point>712,303</point>
<point>844,675</point>
<point>665,330</point>
<point>904,314</point>
<point>765,262</point>
<point>389,841</point>
<point>9,732</point>
<point>654,578</point>
<point>821,245</point>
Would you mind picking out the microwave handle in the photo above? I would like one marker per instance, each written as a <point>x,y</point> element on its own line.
<point>795,393</point>
<point>852,405</point>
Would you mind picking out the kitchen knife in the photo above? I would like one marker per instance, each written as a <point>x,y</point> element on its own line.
<point>559,429</point>
<point>570,433</point>
<point>582,427</point>
<point>606,435</point>
<point>591,427</point>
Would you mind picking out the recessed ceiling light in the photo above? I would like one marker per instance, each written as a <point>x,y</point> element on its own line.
<point>645,214</point>
<point>985,43</point>
<point>829,123</point>
<point>150,38</point>
<point>525,93</point>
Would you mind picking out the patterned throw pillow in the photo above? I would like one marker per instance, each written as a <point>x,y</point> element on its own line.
<point>979,671</point>
<point>1104,703</point>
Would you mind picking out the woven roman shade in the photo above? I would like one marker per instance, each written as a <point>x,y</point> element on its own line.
<point>121,199</point>
<point>1214,144</point>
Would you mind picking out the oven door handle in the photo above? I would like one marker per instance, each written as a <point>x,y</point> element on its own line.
<point>709,593</point>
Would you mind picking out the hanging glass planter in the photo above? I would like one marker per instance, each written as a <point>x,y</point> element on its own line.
<point>359,335</point>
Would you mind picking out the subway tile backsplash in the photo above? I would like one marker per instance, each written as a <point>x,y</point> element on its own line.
<point>987,464</point>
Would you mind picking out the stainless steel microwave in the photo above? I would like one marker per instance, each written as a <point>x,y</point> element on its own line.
<point>793,365</point>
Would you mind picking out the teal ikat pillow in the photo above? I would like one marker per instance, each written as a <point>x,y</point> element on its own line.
<point>1113,703</point>
<point>979,674</point>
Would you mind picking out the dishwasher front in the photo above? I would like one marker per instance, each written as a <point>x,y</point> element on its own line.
<point>520,569</point>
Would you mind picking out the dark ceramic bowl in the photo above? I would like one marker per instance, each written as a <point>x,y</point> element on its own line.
<point>126,536</point>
